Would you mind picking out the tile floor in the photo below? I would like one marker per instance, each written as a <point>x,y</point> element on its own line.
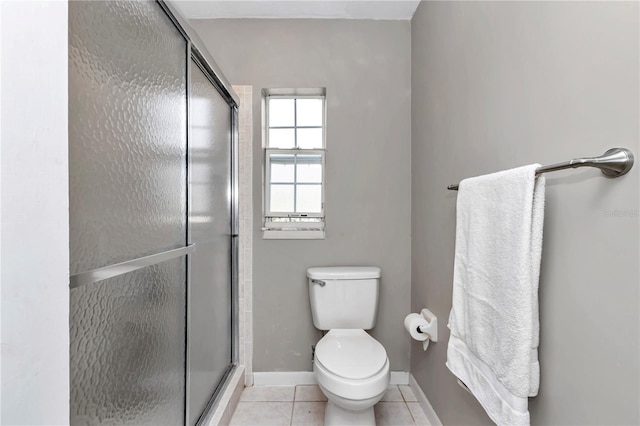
<point>304,406</point>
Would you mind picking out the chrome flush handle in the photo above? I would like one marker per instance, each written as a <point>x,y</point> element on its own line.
<point>319,282</point>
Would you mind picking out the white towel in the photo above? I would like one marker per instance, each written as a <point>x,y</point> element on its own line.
<point>494,316</point>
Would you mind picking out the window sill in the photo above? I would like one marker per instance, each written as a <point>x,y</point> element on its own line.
<point>276,234</point>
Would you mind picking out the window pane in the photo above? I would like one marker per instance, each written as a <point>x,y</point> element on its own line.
<point>282,138</point>
<point>309,112</point>
<point>281,198</point>
<point>281,112</point>
<point>309,198</point>
<point>282,168</point>
<point>310,168</point>
<point>309,138</point>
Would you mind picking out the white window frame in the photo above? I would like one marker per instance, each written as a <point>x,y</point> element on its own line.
<point>295,227</point>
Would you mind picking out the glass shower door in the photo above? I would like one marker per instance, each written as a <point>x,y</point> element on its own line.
<point>128,200</point>
<point>150,182</point>
<point>210,204</point>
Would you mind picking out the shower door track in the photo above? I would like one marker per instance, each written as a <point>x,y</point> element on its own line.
<point>215,397</point>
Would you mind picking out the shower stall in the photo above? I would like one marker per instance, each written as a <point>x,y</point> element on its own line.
<point>153,217</point>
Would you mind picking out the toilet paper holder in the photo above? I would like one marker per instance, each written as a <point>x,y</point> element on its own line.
<point>431,329</point>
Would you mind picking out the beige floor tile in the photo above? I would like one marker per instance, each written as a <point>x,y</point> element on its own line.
<point>418,414</point>
<point>392,395</point>
<point>308,413</point>
<point>268,393</point>
<point>309,393</point>
<point>393,414</point>
<point>407,394</point>
<point>251,413</point>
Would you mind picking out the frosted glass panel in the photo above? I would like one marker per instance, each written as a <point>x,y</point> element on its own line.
<point>282,138</point>
<point>309,138</point>
<point>281,198</point>
<point>127,132</point>
<point>281,112</point>
<point>309,112</point>
<point>210,229</point>
<point>127,192</point>
<point>309,198</point>
<point>127,348</point>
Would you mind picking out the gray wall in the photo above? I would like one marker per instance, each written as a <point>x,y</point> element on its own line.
<point>365,66</point>
<point>501,84</point>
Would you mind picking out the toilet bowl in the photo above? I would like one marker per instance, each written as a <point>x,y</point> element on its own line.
<point>352,370</point>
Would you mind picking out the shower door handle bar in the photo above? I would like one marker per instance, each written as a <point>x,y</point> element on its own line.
<point>111,271</point>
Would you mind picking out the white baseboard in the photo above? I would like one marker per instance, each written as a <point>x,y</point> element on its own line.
<point>399,378</point>
<point>294,378</point>
<point>283,378</point>
<point>424,402</point>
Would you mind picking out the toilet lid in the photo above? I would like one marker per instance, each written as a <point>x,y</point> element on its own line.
<point>351,354</point>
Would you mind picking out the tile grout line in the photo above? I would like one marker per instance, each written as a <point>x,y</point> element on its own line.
<point>415,422</point>
<point>293,404</point>
<point>406,403</point>
<point>407,406</point>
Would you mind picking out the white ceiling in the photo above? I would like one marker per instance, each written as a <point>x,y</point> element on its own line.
<point>336,9</point>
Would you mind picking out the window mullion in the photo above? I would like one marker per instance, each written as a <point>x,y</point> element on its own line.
<point>295,157</point>
<point>295,183</point>
<point>295,127</point>
<point>295,123</point>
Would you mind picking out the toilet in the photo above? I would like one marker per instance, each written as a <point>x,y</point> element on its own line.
<point>350,366</point>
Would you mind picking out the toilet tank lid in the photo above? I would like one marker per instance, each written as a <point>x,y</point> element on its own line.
<point>344,273</point>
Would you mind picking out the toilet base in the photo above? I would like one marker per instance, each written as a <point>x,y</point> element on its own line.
<point>338,416</point>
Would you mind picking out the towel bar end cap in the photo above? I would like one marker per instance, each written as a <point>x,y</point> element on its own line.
<point>616,162</point>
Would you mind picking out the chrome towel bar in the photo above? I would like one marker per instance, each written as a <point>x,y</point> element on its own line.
<point>613,163</point>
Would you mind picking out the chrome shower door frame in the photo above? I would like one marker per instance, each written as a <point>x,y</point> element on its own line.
<point>197,58</point>
<point>197,53</point>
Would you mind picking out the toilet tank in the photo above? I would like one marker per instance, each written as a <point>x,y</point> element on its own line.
<point>344,297</point>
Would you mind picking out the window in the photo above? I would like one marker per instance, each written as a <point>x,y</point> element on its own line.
<point>294,163</point>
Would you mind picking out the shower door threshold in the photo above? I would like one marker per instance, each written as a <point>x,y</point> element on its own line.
<point>222,397</point>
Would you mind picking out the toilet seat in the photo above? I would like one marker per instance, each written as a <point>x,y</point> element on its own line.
<point>351,354</point>
<point>351,364</point>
